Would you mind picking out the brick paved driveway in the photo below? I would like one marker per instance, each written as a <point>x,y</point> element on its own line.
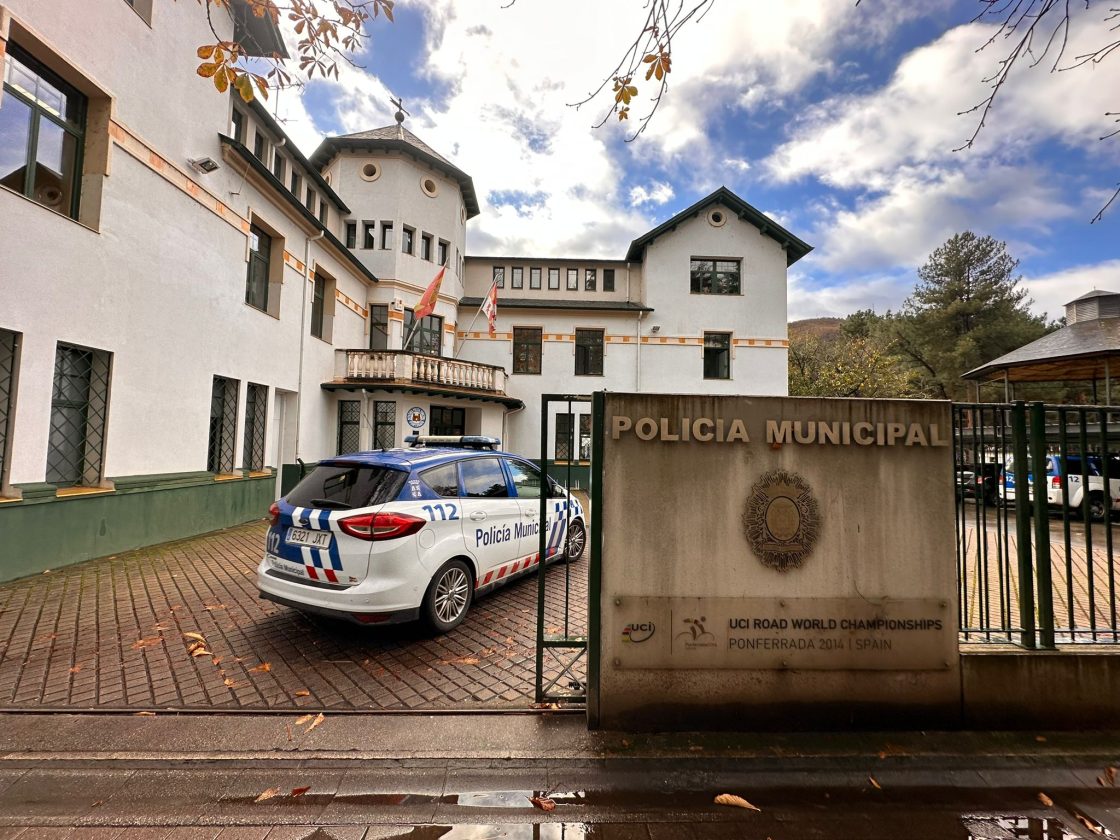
<point>109,634</point>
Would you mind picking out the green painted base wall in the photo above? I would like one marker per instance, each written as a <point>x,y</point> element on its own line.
<point>45,532</point>
<point>580,474</point>
<point>290,475</point>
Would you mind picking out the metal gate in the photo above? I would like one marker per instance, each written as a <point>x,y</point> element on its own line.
<point>1038,490</point>
<point>562,614</point>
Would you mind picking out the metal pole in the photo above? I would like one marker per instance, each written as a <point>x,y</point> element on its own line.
<point>542,549</point>
<point>1107,382</point>
<point>1006,388</point>
<point>1041,528</point>
<point>1023,523</point>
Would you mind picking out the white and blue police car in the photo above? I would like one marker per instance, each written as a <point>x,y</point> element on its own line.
<point>399,534</point>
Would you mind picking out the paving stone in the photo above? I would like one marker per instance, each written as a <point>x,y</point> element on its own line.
<point>70,639</point>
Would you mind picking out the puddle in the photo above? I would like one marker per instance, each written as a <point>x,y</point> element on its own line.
<point>1016,828</point>
<point>543,831</point>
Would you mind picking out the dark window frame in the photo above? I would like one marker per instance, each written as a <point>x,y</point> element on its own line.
<point>384,425</point>
<point>589,352</point>
<point>348,438</point>
<point>386,236</point>
<point>378,328</point>
<point>408,240</point>
<point>318,305</point>
<point>608,279</point>
<point>564,437</point>
<point>352,235</point>
<point>221,443</point>
<point>554,279</point>
<point>525,340</point>
<point>428,339</point>
<point>260,260</point>
<point>534,278</point>
<point>446,420</point>
<point>720,369</point>
<point>79,412</point>
<point>256,424</point>
<point>426,246</point>
<point>590,279</point>
<point>444,253</point>
<point>499,276</point>
<point>573,279</point>
<point>517,277</point>
<point>237,125</point>
<point>369,235</point>
<point>709,280</point>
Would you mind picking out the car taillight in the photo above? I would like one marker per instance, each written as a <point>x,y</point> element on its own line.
<point>1056,482</point>
<point>274,514</point>
<point>381,526</point>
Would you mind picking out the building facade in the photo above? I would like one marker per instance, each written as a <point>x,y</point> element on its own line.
<point>192,306</point>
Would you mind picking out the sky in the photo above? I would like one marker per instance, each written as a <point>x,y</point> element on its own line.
<point>840,121</point>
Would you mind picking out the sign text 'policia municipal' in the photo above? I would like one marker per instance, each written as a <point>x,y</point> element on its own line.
<point>777,432</point>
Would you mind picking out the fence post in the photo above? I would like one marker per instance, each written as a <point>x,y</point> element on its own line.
<point>1023,523</point>
<point>1041,528</point>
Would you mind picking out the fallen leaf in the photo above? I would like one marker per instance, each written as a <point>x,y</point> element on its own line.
<point>303,692</point>
<point>1110,774</point>
<point>302,719</point>
<point>543,802</point>
<point>466,660</point>
<point>319,719</point>
<point>144,714</point>
<point>146,643</point>
<point>196,636</point>
<point>1101,781</point>
<point>217,660</point>
<point>264,667</point>
<point>268,794</point>
<point>874,783</point>
<point>1040,738</point>
<point>75,669</point>
<point>209,608</point>
<point>200,651</point>
<point>288,726</point>
<point>228,682</point>
<point>735,801</point>
<point>300,791</point>
<point>1045,800</point>
<point>1088,823</point>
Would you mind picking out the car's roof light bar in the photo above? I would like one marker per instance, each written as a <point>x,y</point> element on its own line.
<point>454,441</point>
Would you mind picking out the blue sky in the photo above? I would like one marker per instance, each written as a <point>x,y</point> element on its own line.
<point>839,121</point>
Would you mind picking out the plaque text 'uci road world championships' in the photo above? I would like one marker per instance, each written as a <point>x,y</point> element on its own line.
<point>777,432</point>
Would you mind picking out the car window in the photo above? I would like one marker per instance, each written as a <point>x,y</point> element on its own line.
<point>483,478</point>
<point>526,480</point>
<point>444,480</point>
<point>346,486</point>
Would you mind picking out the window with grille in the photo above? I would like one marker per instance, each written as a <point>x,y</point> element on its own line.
<point>428,338</point>
<point>554,278</point>
<point>517,277</point>
<point>42,129</point>
<point>223,425</point>
<point>9,341</point>
<point>534,278</point>
<point>79,406</point>
<point>256,416</point>
<point>714,277</point>
<point>260,258</point>
<point>608,279</point>
<point>349,426</point>
<point>384,425</point>
<point>527,349</point>
<point>717,355</point>
<point>378,327</point>
<point>563,437</point>
<point>585,437</point>
<point>589,352</point>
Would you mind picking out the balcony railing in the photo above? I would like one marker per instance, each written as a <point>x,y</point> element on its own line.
<point>400,366</point>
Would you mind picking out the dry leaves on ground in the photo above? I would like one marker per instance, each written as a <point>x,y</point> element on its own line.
<point>144,714</point>
<point>543,802</point>
<point>268,794</point>
<point>874,783</point>
<point>300,791</point>
<point>318,719</point>
<point>146,643</point>
<point>1088,823</point>
<point>263,668</point>
<point>734,801</point>
<point>303,692</point>
<point>1045,800</point>
<point>75,669</point>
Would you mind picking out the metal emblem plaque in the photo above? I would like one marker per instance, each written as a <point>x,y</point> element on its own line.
<point>781,520</point>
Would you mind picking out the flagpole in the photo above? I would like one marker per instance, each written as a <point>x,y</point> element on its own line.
<point>475,318</point>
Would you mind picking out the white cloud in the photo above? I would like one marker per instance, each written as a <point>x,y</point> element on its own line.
<point>880,292</point>
<point>658,192</point>
<point>1051,292</point>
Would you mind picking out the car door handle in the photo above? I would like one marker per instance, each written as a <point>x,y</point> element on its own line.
<point>478,515</point>
<point>531,514</point>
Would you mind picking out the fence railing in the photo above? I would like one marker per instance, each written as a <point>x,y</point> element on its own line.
<point>1038,490</point>
<point>406,366</point>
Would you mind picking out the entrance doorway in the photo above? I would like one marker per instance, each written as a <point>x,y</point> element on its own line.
<point>447,421</point>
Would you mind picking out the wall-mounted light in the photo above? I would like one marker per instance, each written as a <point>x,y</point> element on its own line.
<point>656,328</point>
<point>203,165</point>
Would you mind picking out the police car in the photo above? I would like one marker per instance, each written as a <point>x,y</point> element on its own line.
<point>396,535</point>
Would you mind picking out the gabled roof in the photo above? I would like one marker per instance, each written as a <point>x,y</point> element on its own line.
<point>1096,293</point>
<point>795,247</point>
<point>1072,353</point>
<point>259,36</point>
<point>399,139</point>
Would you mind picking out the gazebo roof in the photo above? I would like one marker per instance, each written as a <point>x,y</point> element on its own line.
<point>1076,352</point>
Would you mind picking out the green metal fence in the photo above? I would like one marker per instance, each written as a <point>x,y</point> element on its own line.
<point>1038,496</point>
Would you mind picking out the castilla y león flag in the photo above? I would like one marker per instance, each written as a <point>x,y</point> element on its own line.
<point>427,303</point>
<point>490,307</point>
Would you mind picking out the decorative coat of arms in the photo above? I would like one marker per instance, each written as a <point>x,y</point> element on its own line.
<point>781,520</point>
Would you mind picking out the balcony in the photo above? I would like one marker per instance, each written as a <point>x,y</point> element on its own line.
<point>403,370</point>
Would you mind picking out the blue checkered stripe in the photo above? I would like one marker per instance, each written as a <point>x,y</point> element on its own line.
<point>558,518</point>
<point>313,520</point>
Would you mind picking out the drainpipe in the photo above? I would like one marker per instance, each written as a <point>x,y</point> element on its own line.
<point>303,329</point>
<point>638,353</point>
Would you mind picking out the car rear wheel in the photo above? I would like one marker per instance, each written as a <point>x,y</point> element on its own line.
<point>1096,507</point>
<point>448,597</point>
<point>577,541</point>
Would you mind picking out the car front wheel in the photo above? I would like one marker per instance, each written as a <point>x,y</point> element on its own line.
<point>448,597</point>
<point>577,541</point>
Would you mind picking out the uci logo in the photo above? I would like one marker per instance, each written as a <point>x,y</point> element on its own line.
<point>638,632</point>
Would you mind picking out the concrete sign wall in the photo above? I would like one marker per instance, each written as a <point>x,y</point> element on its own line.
<point>776,562</point>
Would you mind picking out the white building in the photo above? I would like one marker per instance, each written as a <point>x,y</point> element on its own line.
<point>191,305</point>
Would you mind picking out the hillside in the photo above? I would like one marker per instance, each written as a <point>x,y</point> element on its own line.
<point>820,327</point>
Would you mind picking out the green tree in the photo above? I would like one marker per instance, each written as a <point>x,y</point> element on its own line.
<point>967,309</point>
<point>843,365</point>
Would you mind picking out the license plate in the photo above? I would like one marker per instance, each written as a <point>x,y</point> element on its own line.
<point>286,566</point>
<point>314,539</point>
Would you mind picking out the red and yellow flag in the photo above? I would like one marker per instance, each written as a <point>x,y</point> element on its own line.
<point>490,307</point>
<point>427,304</point>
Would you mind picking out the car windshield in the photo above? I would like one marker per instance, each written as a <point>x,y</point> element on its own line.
<point>346,486</point>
